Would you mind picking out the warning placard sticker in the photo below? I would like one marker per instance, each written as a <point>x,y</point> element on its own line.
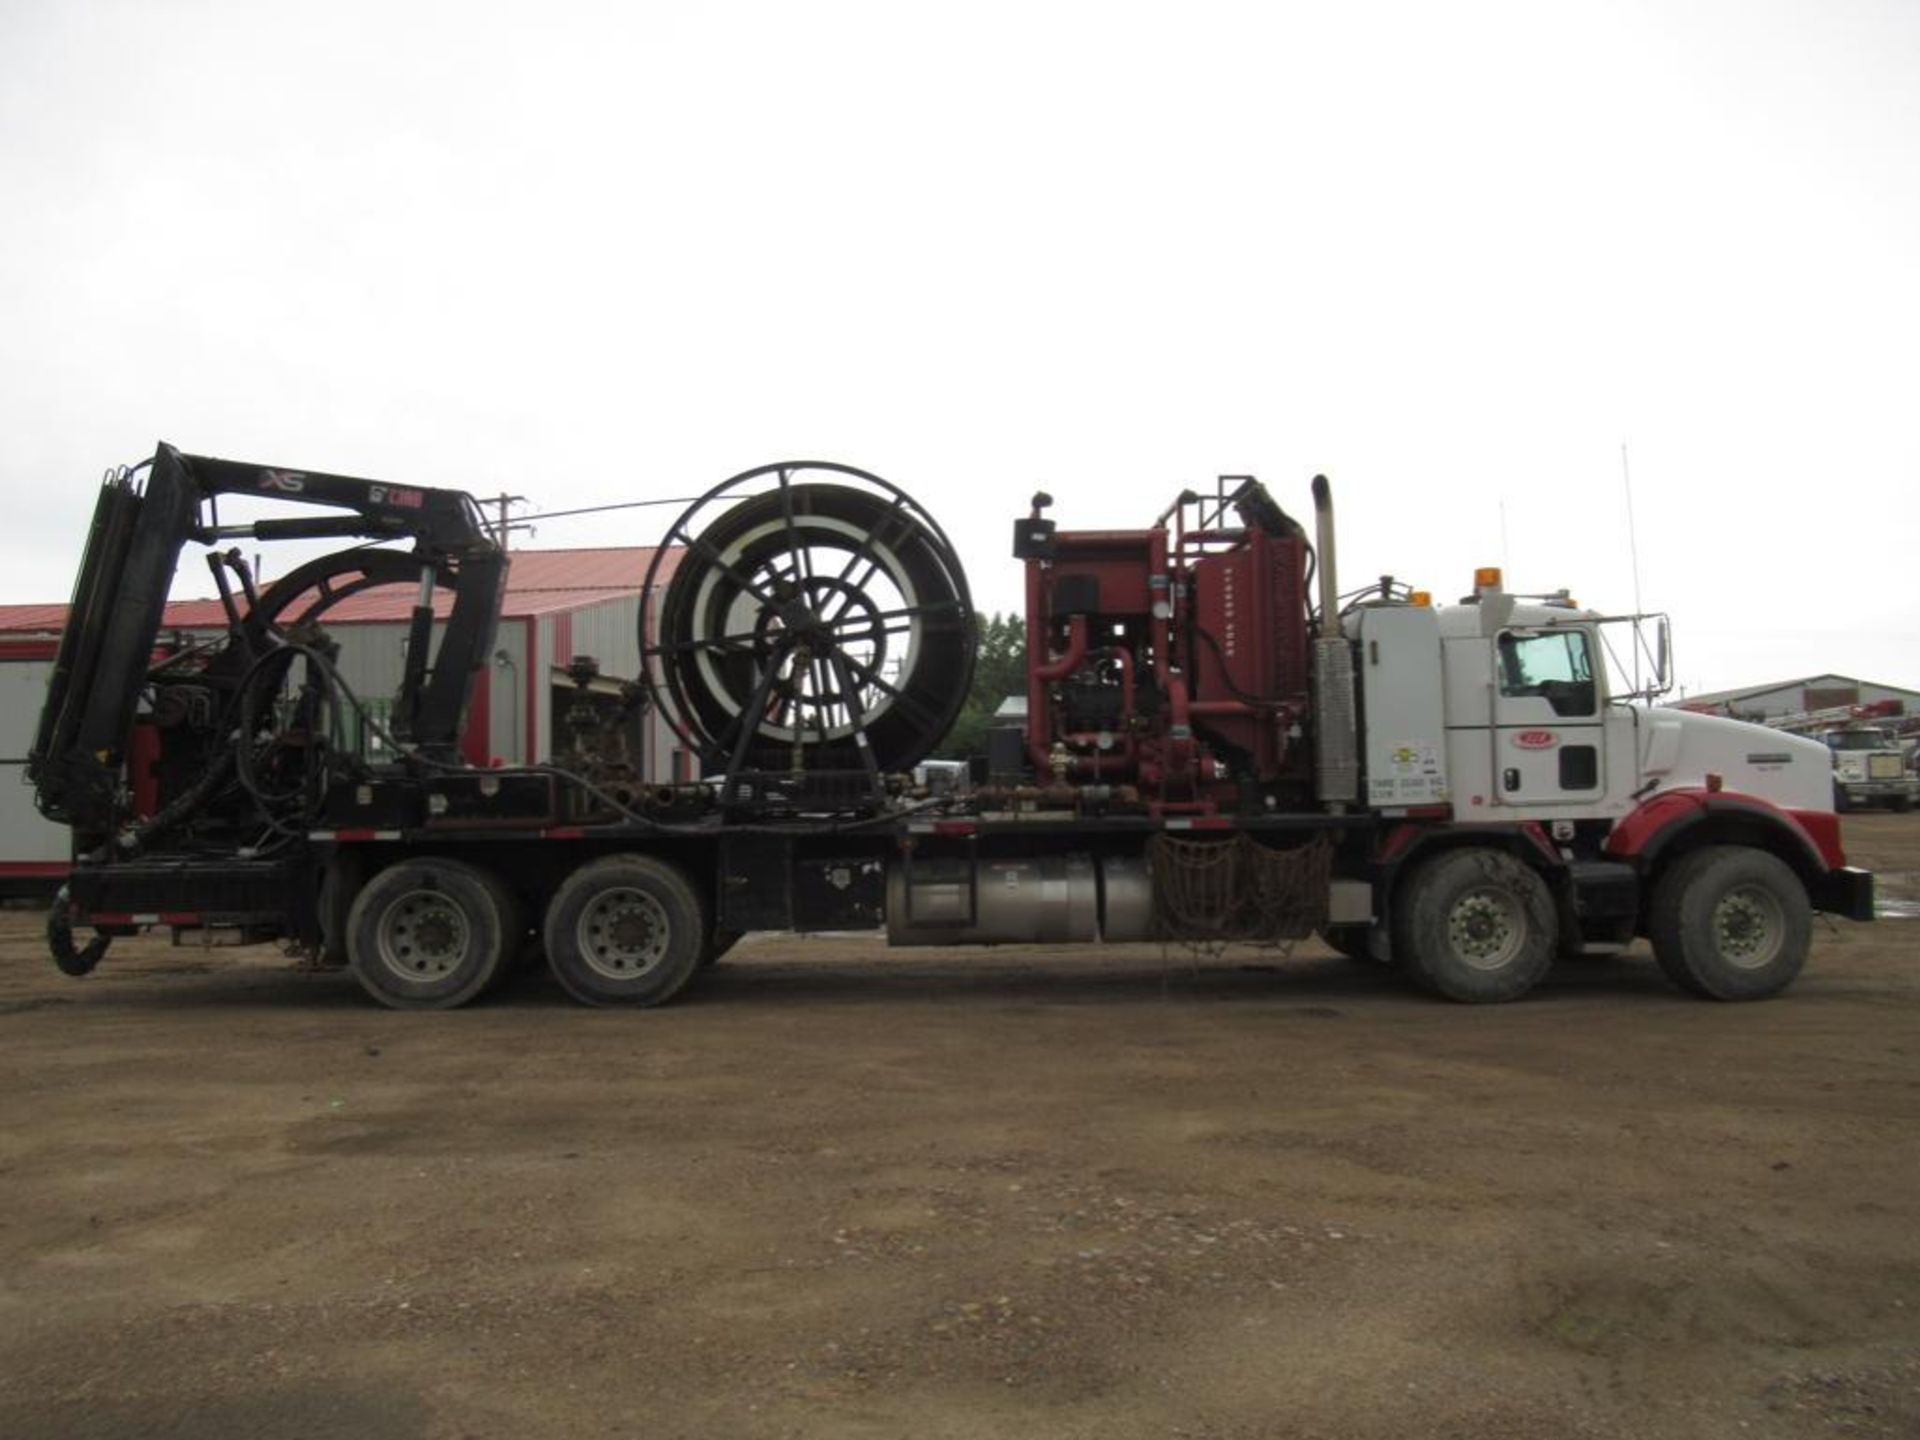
<point>1412,774</point>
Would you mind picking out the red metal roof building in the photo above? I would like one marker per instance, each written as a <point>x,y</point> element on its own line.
<point>559,604</point>
<point>539,582</point>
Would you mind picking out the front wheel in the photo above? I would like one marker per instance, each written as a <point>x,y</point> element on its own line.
<point>1475,925</point>
<point>429,934</point>
<point>1731,923</point>
<point>625,930</point>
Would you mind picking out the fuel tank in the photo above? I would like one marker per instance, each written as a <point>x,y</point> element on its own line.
<point>1069,899</point>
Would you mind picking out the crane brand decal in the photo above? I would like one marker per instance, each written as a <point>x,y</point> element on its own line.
<point>396,495</point>
<point>285,480</point>
<point>1535,739</point>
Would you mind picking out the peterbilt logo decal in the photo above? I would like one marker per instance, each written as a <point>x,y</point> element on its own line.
<point>1535,739</point>
<point>286,480</point>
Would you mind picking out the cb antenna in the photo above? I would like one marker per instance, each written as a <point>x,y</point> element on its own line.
<point>1633,537</point>
<point>1633,556</point>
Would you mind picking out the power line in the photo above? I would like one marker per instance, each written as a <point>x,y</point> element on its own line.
<point>599,509</point>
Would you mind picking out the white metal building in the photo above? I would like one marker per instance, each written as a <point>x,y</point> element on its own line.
<point>559,604</point>
<point>1791,697</point>
<point>33,852</point>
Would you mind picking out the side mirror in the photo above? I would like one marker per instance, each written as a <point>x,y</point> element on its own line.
<point>1663,654</point>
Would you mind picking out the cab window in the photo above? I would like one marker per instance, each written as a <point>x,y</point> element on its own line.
<point>1556,666</point>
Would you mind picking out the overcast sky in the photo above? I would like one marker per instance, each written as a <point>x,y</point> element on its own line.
<point>1453,255</point>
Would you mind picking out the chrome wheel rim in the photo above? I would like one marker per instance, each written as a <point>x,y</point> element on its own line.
<point>623,933</point>
<point>423,936</point>
<point>1749,927</point>
<point>1486,928</point>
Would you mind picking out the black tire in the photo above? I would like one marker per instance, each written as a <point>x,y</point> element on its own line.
<point>718,943</point>
<point>340,885</point>
<point>1901,804</point>
<point>1841,803</point>
<point>428,934</point>
<point>1731,923</point>
<point>516,940</point>
<point>625,930</point>
<point>1474,925</point>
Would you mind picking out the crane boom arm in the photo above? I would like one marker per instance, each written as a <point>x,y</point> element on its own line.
<point>120,595</point>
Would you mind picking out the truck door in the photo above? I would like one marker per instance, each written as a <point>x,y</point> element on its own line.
<point>1548,733</point>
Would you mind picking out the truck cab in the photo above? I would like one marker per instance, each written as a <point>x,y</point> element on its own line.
<point>1505,709</point>
<point>1869,768</point>
<point>1511,725</point>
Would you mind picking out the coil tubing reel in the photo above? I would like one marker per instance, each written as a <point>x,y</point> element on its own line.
<point>815,634</point>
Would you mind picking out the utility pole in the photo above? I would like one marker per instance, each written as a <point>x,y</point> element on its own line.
<point>500,502</point>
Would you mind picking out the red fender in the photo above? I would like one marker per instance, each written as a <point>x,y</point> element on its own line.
<point>1645,831</point>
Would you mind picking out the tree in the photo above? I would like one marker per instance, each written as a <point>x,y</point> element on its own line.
<point>999,670</point>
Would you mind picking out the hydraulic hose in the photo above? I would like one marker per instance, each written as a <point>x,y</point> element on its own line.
<point>72,960</point>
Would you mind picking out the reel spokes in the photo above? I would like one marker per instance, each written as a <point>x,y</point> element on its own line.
<point>813,626</point>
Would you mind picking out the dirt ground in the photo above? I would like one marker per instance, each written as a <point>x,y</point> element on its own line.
<point>839,1191</point>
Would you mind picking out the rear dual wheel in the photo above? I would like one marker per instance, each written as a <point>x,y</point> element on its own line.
<point>626,930</point>
<point>431,933</point>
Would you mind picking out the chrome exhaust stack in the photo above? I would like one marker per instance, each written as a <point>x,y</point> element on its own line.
<point>1336,728</point>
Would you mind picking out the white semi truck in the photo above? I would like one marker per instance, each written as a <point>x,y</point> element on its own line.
<point>1868,760</point>
<point>1703,833</point>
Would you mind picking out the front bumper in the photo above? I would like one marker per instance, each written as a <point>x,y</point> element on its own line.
<point>1881,789</point>
<point>1845,892</point>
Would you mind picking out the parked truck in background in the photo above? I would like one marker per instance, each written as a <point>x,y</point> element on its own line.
<point>1870,766</point>
<point>1218,745</point>
<point>1869,769</point>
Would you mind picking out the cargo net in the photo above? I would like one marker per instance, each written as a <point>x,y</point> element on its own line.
<point>1212,891</point>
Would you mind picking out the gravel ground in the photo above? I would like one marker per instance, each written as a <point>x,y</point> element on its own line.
<point>840,1191</point>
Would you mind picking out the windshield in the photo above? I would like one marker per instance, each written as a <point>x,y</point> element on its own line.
<point>1860,740</point>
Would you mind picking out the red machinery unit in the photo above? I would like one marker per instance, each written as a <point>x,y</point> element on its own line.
<point>1174,660</point>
